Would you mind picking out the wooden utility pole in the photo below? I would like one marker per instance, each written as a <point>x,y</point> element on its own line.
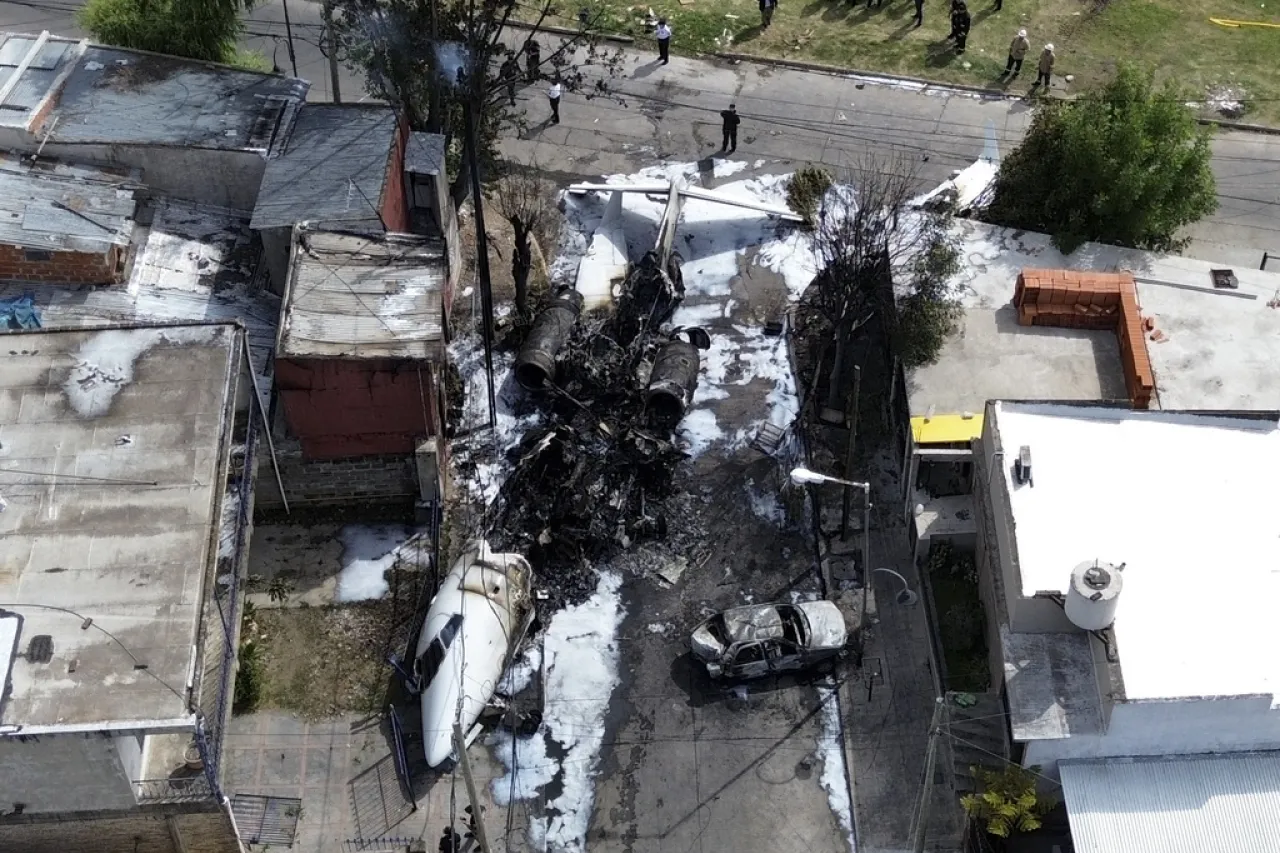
<point>331,40</point>
<point>288,37</point>
<point>926,784</point>
<point>850,450</point>
<point>460,747</point>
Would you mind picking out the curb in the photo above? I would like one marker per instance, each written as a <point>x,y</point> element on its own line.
<point>879,77</point>
<point>871,76</point>
<point>565,31</point>
<point>1240,126</point>
<point>959,88</point>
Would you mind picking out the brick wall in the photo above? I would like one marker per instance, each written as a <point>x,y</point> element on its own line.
<point>1087,300</point>
<point>142,831</point>
<point>388,479</point>
<point>395,204</point>
<point>18,264</point>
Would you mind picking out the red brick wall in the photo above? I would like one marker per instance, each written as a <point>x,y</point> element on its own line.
<point>340,409</point>
<point>61,267</point>
<point>395,203</point>
<point>1089,300</point>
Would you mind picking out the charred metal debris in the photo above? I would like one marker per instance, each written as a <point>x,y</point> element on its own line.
<point>597,476</point>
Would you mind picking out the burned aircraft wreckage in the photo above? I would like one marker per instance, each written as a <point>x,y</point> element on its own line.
<point>614,384</point>
<point>615,387</point>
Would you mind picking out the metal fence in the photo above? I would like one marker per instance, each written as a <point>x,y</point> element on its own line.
<point>266,820</point>
<point>401,755</point>
<point>180,789</point>
<point>209,732</point>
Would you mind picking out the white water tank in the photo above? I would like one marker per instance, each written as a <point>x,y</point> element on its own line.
<point>1093,595</point>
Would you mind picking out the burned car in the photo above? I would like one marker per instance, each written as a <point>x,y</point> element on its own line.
<point>768,639</point>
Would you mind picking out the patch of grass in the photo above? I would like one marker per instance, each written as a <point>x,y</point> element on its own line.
<point>323,661</point>
<point>962,623</point>
<point>1174,36</point>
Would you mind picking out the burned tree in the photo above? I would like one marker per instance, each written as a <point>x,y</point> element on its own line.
<point>875,256</point>
<point>526,202</point>
<point>408,48</point>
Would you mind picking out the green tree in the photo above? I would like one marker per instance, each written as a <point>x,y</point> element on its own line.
<point>806,190</point>
<point>1008,801</point>
<point>196,29</point>
<point>1126,164</point>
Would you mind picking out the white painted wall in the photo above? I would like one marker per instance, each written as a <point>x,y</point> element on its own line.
<point>1170,727</point>
<point>129,747</point>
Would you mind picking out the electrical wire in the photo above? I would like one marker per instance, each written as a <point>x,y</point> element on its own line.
<point>87,622</point>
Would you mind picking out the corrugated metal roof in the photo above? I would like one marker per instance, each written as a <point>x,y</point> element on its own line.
<point>356,296</point>
<point>115,96</point>
<point>195,266</point>
<point>1179,804</point>
<point>424,155</point>
<point>64,208</point>
<point>332,170</point>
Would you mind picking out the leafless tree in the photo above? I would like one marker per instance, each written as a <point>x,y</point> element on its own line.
<point>870,249</point>
<point>527,202</point>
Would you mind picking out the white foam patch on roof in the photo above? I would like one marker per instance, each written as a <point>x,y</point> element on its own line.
<point>368,551</point>
<point>1187,503</point>
<point>104,363</point>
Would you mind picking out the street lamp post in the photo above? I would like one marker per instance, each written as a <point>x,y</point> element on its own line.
<point>805,477</point>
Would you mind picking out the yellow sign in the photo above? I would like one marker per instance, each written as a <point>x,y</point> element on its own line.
<point>946,429</point>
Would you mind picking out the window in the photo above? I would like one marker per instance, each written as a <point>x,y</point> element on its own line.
<point>429,664</point>
<point>36,255</point>
<point>749,654</point>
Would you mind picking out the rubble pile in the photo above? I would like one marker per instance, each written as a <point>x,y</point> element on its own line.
<point>597,476</point>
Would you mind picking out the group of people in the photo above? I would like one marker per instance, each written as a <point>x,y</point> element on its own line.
<point>1018,51</point>
<point>510,76</point>
<point>961,22</point>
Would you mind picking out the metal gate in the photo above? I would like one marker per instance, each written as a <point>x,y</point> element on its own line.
<point>266,820</point>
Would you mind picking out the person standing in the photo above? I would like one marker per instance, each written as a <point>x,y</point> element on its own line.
<point>960,22</point>
<point>553,97</point>
<point>532,59</point>
<point>1045,74</point>
<point>663,32</point>
<point>766,13</point>
<point>955,11</point>
<point>1017,52</point>
<point>510,74</point>
<point>919,13</point>
<point>729,122</point>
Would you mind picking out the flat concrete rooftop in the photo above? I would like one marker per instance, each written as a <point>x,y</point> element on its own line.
<point>1187,503</point>
<point>1217,350</point>
<point>113,469</point>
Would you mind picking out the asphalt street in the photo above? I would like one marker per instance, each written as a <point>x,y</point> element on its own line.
<point>792,116</point>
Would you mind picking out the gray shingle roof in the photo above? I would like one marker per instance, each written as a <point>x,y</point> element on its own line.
<point>333,168</point>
